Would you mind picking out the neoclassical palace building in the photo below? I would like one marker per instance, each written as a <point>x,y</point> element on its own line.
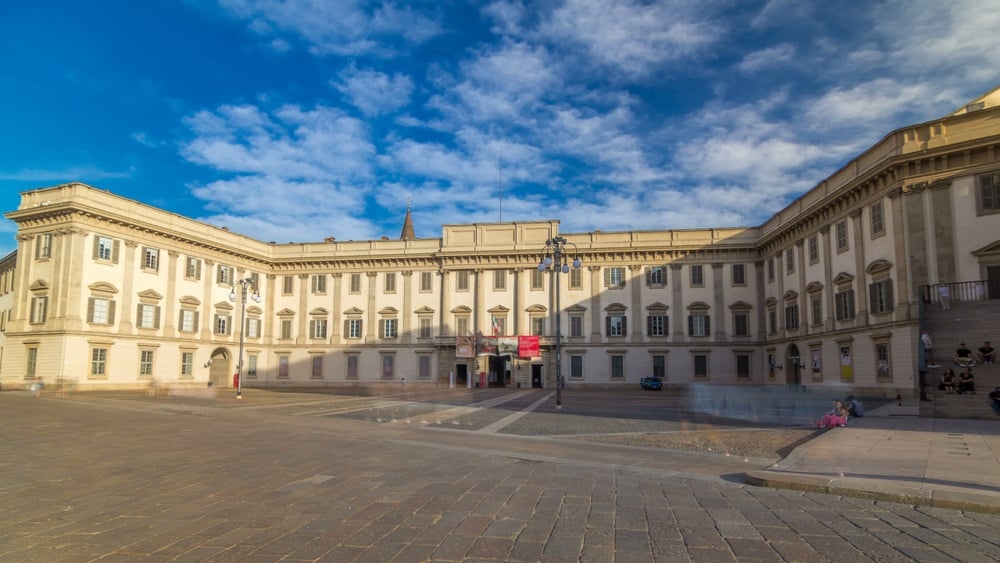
<point>109,292</point>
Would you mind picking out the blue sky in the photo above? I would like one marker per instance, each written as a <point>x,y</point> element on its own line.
<point>300,120</point>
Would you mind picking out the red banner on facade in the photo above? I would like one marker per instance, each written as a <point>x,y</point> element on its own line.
<point>527,347</point>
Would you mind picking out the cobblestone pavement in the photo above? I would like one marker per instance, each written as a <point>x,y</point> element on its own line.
<point>297,477</point>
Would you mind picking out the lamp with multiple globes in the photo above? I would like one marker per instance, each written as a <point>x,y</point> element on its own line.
<point>554,260</point>
<point>245,287</point>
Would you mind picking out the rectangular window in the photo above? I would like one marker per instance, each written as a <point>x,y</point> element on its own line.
<point>253,328</point>
<point>656,276</point>
<point>882,366</point>
<point>700,366</point>
<point>388,366</point>
<point>187,365</point>
<point>576,325</point>
<point>615,325</point>
<point>224,275</point>
<point>390,283</point>
<point>790,261</point>
<point>770,269</point>
<point>537,279</point>
<point>697,276</point>
<point>576,367</point>
<point>791,317</point>
<point>614,277</point>
<point>743,366</point>
<point>222,324</point>
<point>424,367</point>
<point>43,245</point>
<point>252,366</point>
<point>287,285</point>
<point>389,328</point>
<point>39,309</point>
<point>106,249</point>
<point>617,367</point>
<point>462,281</point>
<point>844,302</point>
<point>426,327</point>
<point>499,325</point>
<point>881,297</point>
<point>353,330</point>
<point>192,268</point>
<point>319,284</point>
<point>317,367</point>
<point>537,326</point>
<point>772,321</point>
<point>283,366</point>
<point>189,320</point>
<point>741,323</point>
<point>656,325</point>
<point>286,329</point>
<point>576,278</point>
<point>500,280</point>
<point>989,192</point>
<point>877,219</point>
<point>698,325</point>
<point>841,233</point>
<point>100,311</point>
<point>739,274</point>
<point>426,282</point>
<point>813,249</point>
<point>148,316</point>
<point>145,363</point>
<point>462,326</point>
<point>660,367</point>
<point>352,366</point>
<point>31,363</point>
<point>816,303</point>
<point>150,259</point>
<point>99,362</point>
<point>355,286</point>
<point>317,328</point>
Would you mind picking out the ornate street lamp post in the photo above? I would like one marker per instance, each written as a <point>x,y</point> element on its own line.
<point>246,284</point>
<point>554,260</point>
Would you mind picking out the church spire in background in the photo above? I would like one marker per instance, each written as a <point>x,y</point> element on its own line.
<point>407,233</point>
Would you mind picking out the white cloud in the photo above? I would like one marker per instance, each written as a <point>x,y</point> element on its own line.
<point>770,57</point>
<point>344,27</point>
<point>373,92</point>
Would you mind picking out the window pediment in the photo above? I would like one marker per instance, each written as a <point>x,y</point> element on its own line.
<point>498,309</point>
<point>843,278</point>
<point>224,306</point>
<point>659,307</point>
<point>741,306</point>
<point>616,308</point>
<point>319,311</point>
<point>989,250</point>
<point>878,266</point>
<point>770,302</point>
<point>461,310</point>
<point>388,311</point>
<point>791,295</point>
<point>425,310</point>
<point>814,287</point>
<point>102,287</point>
<point>286,312</point>
<point>536,308</point>
<point>189,300</point>
<point>351,311</point>
<point>254,310</point>
<point>698,306</point>
<point>39,285</point>
<point>150,294</point>
<point>576,308</point>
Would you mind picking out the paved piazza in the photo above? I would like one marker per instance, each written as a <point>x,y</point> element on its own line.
<point>433,475</point>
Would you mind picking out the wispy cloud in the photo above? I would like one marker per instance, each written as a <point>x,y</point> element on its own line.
<point>373,92</point>
<point>87,174</point>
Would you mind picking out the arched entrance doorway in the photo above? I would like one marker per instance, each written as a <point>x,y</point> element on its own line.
<point>793,366</point>
<point>220,368</point>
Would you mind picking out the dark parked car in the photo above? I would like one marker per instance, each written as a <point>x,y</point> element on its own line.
<point>651,383</point>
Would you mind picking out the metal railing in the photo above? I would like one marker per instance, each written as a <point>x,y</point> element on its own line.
<point>958,292</point>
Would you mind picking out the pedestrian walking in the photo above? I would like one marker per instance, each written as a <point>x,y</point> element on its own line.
<point>925,338</point>
<point>944,297</point>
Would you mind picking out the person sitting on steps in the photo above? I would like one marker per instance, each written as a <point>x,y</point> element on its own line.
<point>966,382</point>
<point>947,381</point>
<point>987,354</point>
<point>963,356</point>
<point>836,417</point>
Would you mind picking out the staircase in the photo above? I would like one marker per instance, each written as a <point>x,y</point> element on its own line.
<point>971,322</point>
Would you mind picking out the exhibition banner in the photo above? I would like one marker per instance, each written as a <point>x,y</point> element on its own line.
<point>527,347</point>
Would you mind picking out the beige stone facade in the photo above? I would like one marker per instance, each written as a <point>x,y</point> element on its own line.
<point>109,292</point>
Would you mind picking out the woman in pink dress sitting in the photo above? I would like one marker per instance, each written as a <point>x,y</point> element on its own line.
<point>836,417</point>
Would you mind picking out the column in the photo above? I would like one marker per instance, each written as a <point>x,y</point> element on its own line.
<point>372,320</point>
<point>679,322</point>
<point>302,335</point>
<point>444,317</point>
<point>406,315</point>
<point>206,301</point>
<point>719,302</point>
<point>826,255</point>
<point>338,282</point>
<point>636,280</point>
<point>170,299</point>
<point>858,248</point>
<point>596,314</point>
<point>127,311</point>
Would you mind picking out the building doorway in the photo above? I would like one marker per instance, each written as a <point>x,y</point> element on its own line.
<point>793,366</point>
<point>536,376</point>
<point>499,372</point>
<point>993,282</point>
<point>462,374</point>
<point>220,368</point>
